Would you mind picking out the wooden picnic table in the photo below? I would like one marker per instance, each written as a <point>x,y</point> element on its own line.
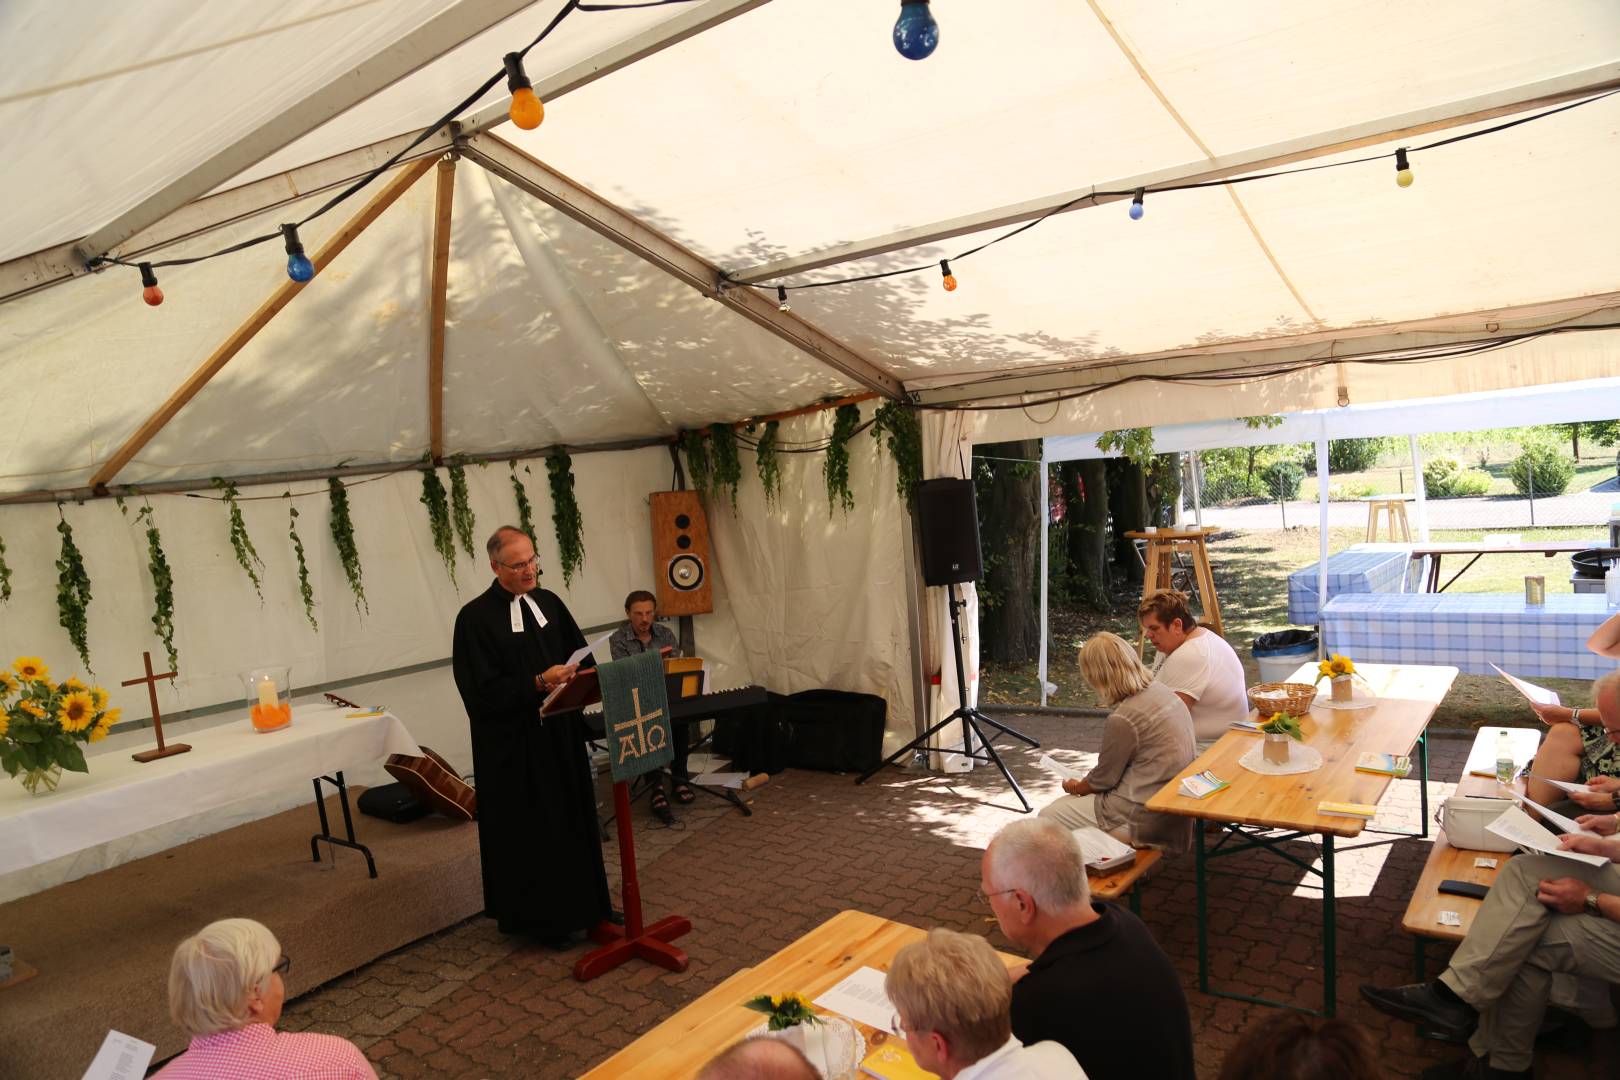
<point>1255,807</point>
<point>1479,548</point>
<point>812,965</point>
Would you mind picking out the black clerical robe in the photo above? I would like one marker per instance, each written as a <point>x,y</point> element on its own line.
<point>537,827</point>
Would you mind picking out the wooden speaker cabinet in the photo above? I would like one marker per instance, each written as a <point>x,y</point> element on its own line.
<point>681,556</point>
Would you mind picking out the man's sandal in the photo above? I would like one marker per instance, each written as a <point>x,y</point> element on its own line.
<point>660,808</point>
<point>683,792</point>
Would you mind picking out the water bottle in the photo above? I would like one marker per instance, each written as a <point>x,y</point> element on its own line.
<point>1611,584</point>
<point>1504,758</point>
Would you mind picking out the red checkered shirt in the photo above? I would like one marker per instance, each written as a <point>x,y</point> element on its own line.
<point>259,1052</point>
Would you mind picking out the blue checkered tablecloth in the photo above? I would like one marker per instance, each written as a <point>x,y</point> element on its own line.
<point>1471,631</point>
<point>1350,571</point>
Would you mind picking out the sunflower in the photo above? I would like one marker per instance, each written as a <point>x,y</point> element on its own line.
<point>99,697</point>
<point>99,732</point>
<point>77,712</point>
<point>8,684</point>
<point>32,709</point>
<point>73,685</point>
<point>31,667</point>
<point>5,724</point>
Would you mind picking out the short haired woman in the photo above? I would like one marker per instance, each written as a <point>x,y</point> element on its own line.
<point>1147,740</point>
<point>225,991</point>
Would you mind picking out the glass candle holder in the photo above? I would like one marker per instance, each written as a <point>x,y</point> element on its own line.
<point>269,697</point>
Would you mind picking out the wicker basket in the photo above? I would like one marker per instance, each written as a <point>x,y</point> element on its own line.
<point>1275,697</point>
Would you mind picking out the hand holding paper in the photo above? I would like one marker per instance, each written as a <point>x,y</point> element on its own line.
<point>1590,844</point>
<point>1516,825</point>
<point>1062,770</point>
<point>1535,695</point>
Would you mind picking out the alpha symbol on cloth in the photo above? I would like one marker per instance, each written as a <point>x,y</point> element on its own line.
<point>638,740</point>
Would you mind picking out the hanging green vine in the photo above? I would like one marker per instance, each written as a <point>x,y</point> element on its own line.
<point>73,591</point>
<point>304,589</point>
<point>5,574</point>
<point>343,538</point>
<point>438,508</point>
<point>904,431</point>
<point>246,557</point>
<point>461,509</point>
<point>525,511</point>
<point>162,586</point>
<point>698,464</point>
<point>725,463</point>
<point>770,466</point>
<point>565,516</point>
<point>835,467</point>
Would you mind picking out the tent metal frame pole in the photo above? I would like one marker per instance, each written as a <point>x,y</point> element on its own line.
<point>640,239</point>
<point>1198,495</point>
<point>1046,568</point>
<point>1420,488</point>
<point>460,22</point>
<point>1322,538</point>
<point>1305,148</point>
<point>239,338</point>
<point>444,194</point>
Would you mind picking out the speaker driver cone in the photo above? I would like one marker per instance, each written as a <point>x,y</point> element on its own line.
<point>685,572</point>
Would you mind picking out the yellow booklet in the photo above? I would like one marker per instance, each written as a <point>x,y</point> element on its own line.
<point>1346,809</point>
<point>891,1060</point>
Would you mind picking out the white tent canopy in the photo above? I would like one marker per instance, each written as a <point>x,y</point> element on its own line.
<point>588,292</point>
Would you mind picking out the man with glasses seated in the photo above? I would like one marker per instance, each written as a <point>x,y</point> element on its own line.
<point>952,992</point>
<point>537,831</point>
<point>1098,983</point>
<point>225,991</point>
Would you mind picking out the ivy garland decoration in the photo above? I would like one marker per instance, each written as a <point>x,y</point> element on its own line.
<point>697,459</point>
<point>304,589</point>
<point>73,591</point>
<point>438,508</point>
<point>835,468</point>
<point>461,509</point>
<point>5,574</point>
<point>525,511</point>
<point>725,464</point>
<point>904,442</point>
<point>769,464</point>
<point>565,517</point>
<point>246,556</point>
<point>343,538</point>
<point>162,585</point>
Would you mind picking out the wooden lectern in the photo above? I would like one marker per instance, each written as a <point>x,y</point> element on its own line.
<point>634,938</point>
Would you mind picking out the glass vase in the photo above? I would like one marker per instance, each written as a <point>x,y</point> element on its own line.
<point>269,697</point>
<point>41,781</point>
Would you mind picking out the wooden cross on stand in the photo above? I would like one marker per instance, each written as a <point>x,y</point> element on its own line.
<point>157,719</point>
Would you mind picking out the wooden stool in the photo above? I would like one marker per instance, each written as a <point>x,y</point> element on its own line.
<point>1160,558</point>
<point>1395,507</point>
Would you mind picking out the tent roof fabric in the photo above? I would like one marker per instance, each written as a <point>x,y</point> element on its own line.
<point>780,131</point>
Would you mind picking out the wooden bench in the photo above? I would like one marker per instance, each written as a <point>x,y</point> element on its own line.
<point>1124,881</point>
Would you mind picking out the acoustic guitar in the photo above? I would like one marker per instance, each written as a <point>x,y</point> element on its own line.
<point>430,778</point>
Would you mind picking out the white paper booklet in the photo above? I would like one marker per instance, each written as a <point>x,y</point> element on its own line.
<point>121,1057</point>
<point>720,779</point>
<point>1551,817</point>
<point>1563,785</point>
<point>589,647</point>
<point>1517,826</point>
<point>860,997</point>
<point>1101,851</point>
<point>1062,770</point>
<point>1536,695</point>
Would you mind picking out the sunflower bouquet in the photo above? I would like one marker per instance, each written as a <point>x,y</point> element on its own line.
<point>1334,666</point>
<point>784,1010</point>
<point>1281,723</point>
<point>42,723</point>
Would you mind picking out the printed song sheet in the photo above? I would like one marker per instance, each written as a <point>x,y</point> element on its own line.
<point>1516,825</point>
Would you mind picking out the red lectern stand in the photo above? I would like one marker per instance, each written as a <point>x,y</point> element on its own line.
<point>633,939</point>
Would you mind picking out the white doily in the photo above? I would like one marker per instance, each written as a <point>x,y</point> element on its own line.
<point>1301,758</point>
<point>1362,696</point>
<point>836,1047</point>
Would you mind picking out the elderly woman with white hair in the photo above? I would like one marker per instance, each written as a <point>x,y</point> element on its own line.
<point>225,991</point>
<point>1147,740</point>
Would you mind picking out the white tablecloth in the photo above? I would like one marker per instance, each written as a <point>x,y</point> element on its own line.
<point>232,774</point>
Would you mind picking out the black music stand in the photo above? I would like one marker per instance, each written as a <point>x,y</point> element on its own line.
<point>971,719</point>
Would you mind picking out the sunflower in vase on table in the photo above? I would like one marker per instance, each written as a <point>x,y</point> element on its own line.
<point>42,723</point>
<point>1341,671</point>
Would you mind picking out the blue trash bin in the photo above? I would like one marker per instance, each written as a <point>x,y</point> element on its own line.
<point>1280,652</point>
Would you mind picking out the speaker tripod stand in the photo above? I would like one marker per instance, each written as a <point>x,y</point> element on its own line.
<point>970,717</point>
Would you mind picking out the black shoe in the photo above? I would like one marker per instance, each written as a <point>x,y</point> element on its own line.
<point>615,916</point>
<point>1422,1004</point>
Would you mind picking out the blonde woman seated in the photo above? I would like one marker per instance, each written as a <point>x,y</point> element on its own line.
<point>1147,740</point>
<point>225,991</point>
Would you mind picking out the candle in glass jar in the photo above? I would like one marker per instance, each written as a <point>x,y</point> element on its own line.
<point>267,692</point>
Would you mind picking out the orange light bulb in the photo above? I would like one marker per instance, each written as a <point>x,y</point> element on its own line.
<point>950,282</point>
<point>945,272</point>
<point>526,111</point>
<point>152,295</point>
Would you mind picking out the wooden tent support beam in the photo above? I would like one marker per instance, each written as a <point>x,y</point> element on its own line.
<point>294,476</point>
<point>257,321</point>
<point>444,195</point>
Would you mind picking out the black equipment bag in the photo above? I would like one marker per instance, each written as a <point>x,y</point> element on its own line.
<point>391,802</point>
<point>832,730</point>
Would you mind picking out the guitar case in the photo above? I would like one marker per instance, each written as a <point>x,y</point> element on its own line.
<point>391,802</point>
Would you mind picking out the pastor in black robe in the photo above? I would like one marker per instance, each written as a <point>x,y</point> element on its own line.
<point>537,829</point>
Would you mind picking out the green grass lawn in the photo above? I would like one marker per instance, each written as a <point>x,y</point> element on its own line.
<point>1590,471</point>
<point>1251,569</point>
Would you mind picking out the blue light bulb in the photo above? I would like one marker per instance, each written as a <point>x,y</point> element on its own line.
<point>1136,205</point>
<point>916,34</point>
<point>299,268</point>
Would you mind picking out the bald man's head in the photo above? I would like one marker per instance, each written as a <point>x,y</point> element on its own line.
<point>760,1059</point>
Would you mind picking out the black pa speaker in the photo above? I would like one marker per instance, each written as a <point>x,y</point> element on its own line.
<point>948,517</point>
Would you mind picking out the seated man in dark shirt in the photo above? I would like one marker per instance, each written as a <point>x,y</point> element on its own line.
<point>642,632</point>
<point>1098,983</point>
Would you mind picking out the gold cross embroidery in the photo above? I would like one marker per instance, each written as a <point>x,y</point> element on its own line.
<point>636,743</point>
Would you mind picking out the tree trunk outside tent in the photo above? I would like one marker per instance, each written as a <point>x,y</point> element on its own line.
<point>1085,485</point>
<point>1127,500</point>
<point>1009,524</point>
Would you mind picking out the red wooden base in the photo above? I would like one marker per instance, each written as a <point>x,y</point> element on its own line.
<point>168,751</point>
<point>617,947</point>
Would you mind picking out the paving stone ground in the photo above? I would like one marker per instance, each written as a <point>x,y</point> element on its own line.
<point>469,1002</point>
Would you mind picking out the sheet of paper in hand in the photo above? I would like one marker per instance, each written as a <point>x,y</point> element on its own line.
<point>635,710</point>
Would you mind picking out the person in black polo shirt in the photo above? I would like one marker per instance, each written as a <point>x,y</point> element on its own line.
<point>1098,983</point>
